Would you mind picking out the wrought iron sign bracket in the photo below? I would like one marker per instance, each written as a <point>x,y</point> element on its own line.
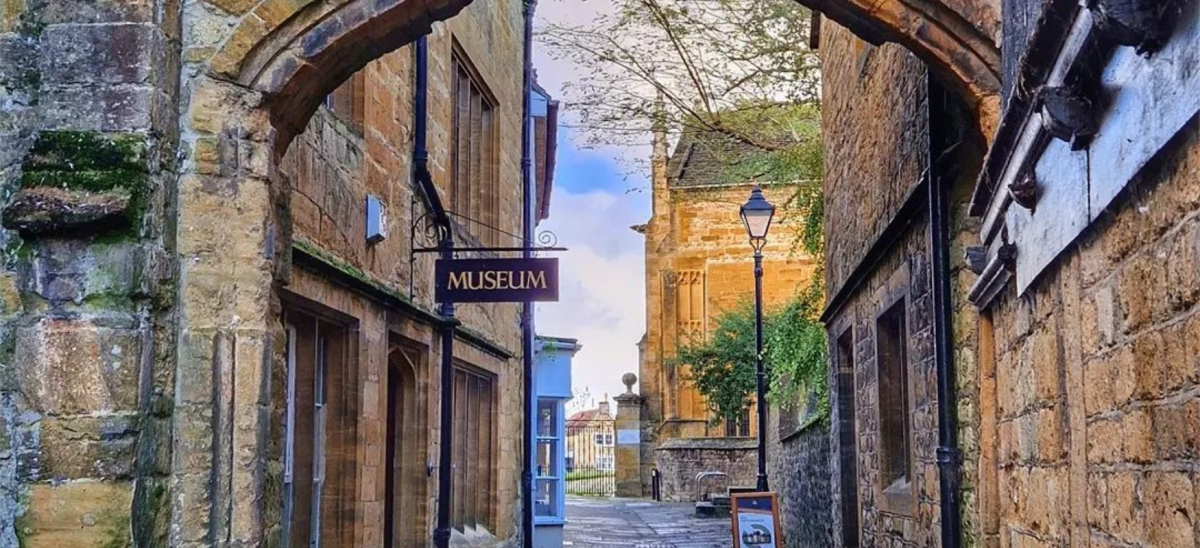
<point>425,237</point>
<point>429,236</point>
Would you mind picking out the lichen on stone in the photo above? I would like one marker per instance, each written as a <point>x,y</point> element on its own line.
<point>43,210</point>
<point>83,179</point>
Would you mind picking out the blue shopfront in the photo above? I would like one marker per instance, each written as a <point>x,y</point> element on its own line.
<point>552,373</point>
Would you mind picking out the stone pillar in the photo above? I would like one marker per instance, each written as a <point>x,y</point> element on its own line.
<point>629,440</point>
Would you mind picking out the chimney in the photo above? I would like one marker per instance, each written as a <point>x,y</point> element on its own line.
<point>604,408</point>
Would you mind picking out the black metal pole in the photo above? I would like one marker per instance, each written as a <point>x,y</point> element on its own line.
<point>448,323</point>
<point>441,535</point>
<point>939,229</point>
<point>760,374</point>
<point>527,333</point>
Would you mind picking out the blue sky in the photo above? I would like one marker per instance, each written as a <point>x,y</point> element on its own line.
<point>583,170</point>
<point>597,196</point>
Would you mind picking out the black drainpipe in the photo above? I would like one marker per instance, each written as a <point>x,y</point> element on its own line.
<point>527,334</point>
<point>441,535</point>
<point>939,229</point>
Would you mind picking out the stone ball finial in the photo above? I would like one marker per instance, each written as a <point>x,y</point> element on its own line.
<point>629,379</point>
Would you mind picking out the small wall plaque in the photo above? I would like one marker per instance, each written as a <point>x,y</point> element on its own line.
<point>629,437</point>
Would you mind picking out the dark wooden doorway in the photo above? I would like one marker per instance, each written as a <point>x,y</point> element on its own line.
<point>394,438</point>
<point>404,477</point>
<point>847,439</point>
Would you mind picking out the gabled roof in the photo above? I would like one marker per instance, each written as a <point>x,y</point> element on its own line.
<point>705,158</point>
<point>589,415</point>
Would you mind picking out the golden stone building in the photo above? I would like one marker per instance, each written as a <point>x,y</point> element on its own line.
<point>1011,198</point>
<point>699,263</point>
<point>210,337</point>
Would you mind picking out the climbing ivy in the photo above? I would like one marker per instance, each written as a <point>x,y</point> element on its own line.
<point>722,366</point>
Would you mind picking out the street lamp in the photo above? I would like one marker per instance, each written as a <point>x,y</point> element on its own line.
<point>756,215</point>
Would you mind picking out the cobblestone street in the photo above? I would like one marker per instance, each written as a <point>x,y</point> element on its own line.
<point>636,523</point>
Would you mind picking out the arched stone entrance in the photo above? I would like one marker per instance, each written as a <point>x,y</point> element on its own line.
<point>958,39</point>
<point>405,503</point>
<point>247,92</point>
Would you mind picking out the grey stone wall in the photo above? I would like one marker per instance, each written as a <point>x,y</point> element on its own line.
<point>681,459</point>
<point>798,464</point>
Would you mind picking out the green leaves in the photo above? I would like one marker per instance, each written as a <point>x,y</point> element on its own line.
<point>722,367</point>
<point>721,66</point>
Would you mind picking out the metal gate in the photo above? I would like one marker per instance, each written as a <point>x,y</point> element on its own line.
<point>591,457</point>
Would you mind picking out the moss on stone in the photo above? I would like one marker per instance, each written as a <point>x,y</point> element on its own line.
<point>350,270</point>
<point>16,249</point>
<point>116,533</point>
<point>108,301</point>
<point>21,526</point>
<point>90,161</point>
<point>87,150</point>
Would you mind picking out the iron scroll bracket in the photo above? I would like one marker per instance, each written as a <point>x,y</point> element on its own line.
<point>425,236</point>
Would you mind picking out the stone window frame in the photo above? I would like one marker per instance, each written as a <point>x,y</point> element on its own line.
<point>844,328</point>
<point>342,420</point>
<point>899,497</point>
<point>474,196</point>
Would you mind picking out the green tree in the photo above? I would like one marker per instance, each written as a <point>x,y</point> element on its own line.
<point>732,70</point>
<point>722,365</point>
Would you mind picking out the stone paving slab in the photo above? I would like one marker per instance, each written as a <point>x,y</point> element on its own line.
<point>638,523</point>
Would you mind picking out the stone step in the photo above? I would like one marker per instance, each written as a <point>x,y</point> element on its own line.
<point>733,490</point>
<point>721,501</point>
<point>706,509</point>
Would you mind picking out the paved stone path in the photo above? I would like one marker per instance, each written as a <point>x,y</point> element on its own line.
<point>637,523</point>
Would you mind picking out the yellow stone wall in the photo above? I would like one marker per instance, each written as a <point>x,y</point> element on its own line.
<point>332,168</point>
<point>699,263</point>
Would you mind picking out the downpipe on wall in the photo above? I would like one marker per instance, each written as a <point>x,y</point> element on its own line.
<point>448,323</point>
<point>939,105</point>
<point>527,333</point>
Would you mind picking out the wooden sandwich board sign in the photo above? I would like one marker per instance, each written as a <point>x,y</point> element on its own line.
<point>756,520</point>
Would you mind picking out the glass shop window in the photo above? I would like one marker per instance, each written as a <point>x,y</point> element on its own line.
<point>549,488</point>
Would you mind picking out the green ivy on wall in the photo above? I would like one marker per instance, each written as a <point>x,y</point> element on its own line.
<point>722,365</point>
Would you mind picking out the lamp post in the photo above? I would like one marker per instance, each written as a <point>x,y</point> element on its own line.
<point>756,215</point>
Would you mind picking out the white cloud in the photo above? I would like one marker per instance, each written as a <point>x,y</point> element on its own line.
<point>553,73</point>
<point>602,287</point>
<point>602,276</point>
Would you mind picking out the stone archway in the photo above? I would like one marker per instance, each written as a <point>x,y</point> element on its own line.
<point>405,508</point>
<point>246,94</point>
<point>958,39</point>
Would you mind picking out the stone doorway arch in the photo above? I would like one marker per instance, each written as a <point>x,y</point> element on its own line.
<point>405,506</point>
<point>958,39</point>
<point>247,91</point>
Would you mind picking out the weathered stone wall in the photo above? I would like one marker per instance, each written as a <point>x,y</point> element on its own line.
<point>875,108</point>
<point>116,369</point>
<point>906,515</point>
<point>1096,375</point>
<point>333,167</point>
<point>861,199</point>
<point>874,122</point>
<point>88,131</point>
<point>1077,402</point>
<point>681,459</point>
<point>798,466</point>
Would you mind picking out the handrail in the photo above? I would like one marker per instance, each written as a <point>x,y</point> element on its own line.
<point>704,475</point>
